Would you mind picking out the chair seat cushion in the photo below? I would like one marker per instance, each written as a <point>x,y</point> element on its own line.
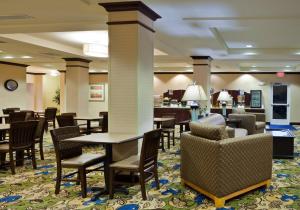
<point>4,147</point>
<point>260,125</point>
<point>85,159</point>
<point>240,132</point>
<point>129,163</point>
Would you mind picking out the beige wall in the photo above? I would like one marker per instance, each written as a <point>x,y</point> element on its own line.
<point>165,82</point>
<point>50,85</point>
<point>17,98</point>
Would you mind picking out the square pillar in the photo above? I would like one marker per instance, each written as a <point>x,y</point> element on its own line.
<point>201,75</point>
<point>77,85</point>
<point>130,76</point>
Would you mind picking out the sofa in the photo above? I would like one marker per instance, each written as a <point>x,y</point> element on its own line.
<point>221,167</point>
<point>253,122</point>
<point>218,119</point>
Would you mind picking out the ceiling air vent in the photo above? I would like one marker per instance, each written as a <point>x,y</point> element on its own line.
<point>15,17</point>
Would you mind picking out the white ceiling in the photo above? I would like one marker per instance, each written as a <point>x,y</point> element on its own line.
<point>221,29</point>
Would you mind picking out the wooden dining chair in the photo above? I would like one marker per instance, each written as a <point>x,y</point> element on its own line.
<point>39,135</point>
<point>21,138</point>
<point>70,155</point>
<point>145,164</point>
<point>29,114</point>
<point>168,128</point>
<point>67,119</point>
<point>50,114</point>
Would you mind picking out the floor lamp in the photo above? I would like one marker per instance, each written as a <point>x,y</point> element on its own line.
<point>194,93</point>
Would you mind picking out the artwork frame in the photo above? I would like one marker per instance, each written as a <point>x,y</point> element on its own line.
<point>97,92</point>
<point>256,98</point>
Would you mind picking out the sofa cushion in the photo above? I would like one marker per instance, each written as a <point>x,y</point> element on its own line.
<point>240,132</point>
<point>208,131</point>
<point>260,125</point>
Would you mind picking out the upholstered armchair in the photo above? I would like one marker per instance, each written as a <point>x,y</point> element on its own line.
<point>253,122</point>
<point>222,167</point>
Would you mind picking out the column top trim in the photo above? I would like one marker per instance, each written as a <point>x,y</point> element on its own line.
<point>202,57</point>
<point>78,59</point>
<point>131,6</point>
<point>14,64</point>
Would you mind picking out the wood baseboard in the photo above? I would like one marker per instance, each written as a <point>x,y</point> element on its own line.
<point>220,202</point>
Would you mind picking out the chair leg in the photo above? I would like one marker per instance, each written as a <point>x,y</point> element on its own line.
<point>54,123</point>
<point>162,143</point>
<point>143,188</point>
<point>2,158</point>
<point>83,181</point>
<point>173,135</point>
<point>33,158</point>
<point>111,183</point>
<point>156,177</point>
<point>169,139</point>
<point>12,164</point>
<point>41,151</point>
<point>58,180</point>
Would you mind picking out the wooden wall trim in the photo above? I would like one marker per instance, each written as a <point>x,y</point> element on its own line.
<point>14,64</point>
<point>131,22</point>
<point>78,59</point>
<point>32,73</point>
<point>131,6</point>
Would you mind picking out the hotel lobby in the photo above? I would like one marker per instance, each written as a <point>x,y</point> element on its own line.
<point>151,104</point>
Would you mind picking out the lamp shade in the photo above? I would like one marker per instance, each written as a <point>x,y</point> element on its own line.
<point>194,93</point>
<point>224,96</point>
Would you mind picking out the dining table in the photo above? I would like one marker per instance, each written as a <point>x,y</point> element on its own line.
<point>89,120</point>
<point>107,140</point>
<point>3,117</point>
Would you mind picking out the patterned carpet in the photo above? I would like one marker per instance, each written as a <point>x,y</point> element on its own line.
<point>34,189</point>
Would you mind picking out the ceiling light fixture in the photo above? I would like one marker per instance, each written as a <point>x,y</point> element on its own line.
<point>54,73</point>
<point>253,66</point>
<point>95,50</point>
<point>249,46</point>
<point>254,70</point>
<point>250,53</point>
<point>26,57</point>
<point>287,66</point>
<point>8,57</point>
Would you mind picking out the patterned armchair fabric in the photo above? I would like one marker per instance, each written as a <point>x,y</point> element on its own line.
<point>253,122</point>
<point>228,165</point>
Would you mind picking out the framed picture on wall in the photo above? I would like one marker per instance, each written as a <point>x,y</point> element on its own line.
<point>255,98</point>
<point>97,92</point>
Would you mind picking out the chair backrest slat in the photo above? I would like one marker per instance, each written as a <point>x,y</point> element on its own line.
<point>150,148</point>
<point>65,120</point>
<point>170,123</point>
<point>21,134</point>
<point>104,121</point>
<point>39,134</point>
<point>65,150</point>
<point>50,113</point>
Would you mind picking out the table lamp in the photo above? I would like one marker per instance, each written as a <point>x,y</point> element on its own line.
<point>194,93</point>
<point>223,98</point>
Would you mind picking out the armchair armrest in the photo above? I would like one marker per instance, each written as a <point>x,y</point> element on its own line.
<point>259,116</point>
<point>244,162</point>
<point>247,121</point>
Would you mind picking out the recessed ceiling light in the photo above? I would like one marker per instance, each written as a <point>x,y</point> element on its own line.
<point>249,46</point>
<point>250,53</point>
<point>253,66</point>
<point>254,70</point>
<point>8,57</point>
<point>26,57</point>
<point>287,66</point>
<point>297,53</point>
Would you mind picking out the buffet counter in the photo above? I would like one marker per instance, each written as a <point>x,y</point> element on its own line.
<point>229,110</point>
<point>182,112</point>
